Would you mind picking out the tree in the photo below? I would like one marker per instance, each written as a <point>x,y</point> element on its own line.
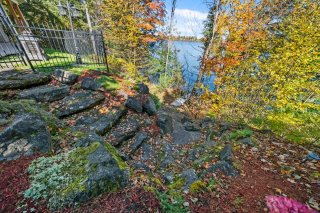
<point>130,27</point>
<point>266,59</point>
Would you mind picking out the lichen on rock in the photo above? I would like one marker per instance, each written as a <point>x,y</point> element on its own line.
<point>76,176</point>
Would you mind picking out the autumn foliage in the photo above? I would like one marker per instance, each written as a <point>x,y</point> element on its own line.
<point>130,27</point>
<point>266,59</point>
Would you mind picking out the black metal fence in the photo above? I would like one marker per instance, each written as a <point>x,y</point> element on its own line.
<point>45,48</point>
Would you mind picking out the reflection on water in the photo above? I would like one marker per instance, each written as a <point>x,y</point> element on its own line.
<point>189,53</point>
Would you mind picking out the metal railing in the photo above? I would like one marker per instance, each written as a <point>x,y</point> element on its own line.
<point>45,48</point>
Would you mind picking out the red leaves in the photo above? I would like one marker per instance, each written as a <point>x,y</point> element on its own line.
<point>130,200</point>
<point>14,180</point>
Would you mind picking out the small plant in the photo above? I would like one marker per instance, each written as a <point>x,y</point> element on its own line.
<point>238,202</point>
<point>172,203</point>
<point>243,133</point>
<point>212,184</point>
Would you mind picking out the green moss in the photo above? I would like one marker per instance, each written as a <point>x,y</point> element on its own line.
<point>79,134</point>
<point>109,83</point>
<point>122,165</point>
<point>243,133</point>
<point>197,186</point>
<point>30,106</point>
<point>78,159</point>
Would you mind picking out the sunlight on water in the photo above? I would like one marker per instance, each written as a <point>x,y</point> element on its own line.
<point>189,53</point>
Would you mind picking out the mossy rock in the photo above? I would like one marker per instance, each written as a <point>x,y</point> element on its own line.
<point>30,107</point>
<point>77,176</point>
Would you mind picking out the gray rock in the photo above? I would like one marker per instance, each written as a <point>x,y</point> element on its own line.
<point>191,127</point>
<point>21,79</point>
<point>104,170</point>
<point>224,126</point>
<point>165,123</point>
<point>105,123</point>
<point>78,102</point>
<point>134,104</point>
<point>148,152</point>
<point>89,139</point>
<point>247,141</point>
<point>190,177</point>
<point>143,89</point>
<point>65,76</point>
<point>124,131</point>
<point>207,122</point>
<point>178,102</point>
<point>168,177</point>
<point>86,120</point>
<point>25,136</point>
<point>150,107</point>
<point>138,141</point>
<point>183,137</point>
<point>225,168</point>
<point>90,84</point>
<point>226,153</point>
<point>141,166</point>
<point>196,153</point>
<point>45,93</point>
<point>168,159</point>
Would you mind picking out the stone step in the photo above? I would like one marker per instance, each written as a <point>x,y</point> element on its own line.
<point>125,130</point>
<point>78,102</point>
<point>105,123</point>
<point>45,93</point>
<point>21,79</point>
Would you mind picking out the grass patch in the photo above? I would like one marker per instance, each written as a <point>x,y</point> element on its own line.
<point>109,83</point>
<point>56,59</point>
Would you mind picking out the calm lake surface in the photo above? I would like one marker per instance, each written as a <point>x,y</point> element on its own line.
<point>189,53</point>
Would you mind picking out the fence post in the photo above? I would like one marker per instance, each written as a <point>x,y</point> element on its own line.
<point>104,51</point>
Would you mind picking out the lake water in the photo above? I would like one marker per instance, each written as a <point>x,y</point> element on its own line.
<point>189,53</point>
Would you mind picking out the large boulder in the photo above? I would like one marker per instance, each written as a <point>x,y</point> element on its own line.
<point>164,121</point>
<point>78,102</point>
<point>88,139</point>
<point>77,176</point>
<point>139,139</point>
<point>225,167</point>
<point>181,136</point>
<point>134,104</point>
<point>142,88</point>
<point>149,106</point>
<point>226,153</point>
<point>45,93</point>
<point>124,131</point>
<point>105,123</point>
<point>90,84</point>
<point>190,176</point>
<point>21,79</point>
<point>26,135</point>
<point>65,77</point>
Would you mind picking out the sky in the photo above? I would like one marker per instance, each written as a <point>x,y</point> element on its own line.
<point>189,16</point>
